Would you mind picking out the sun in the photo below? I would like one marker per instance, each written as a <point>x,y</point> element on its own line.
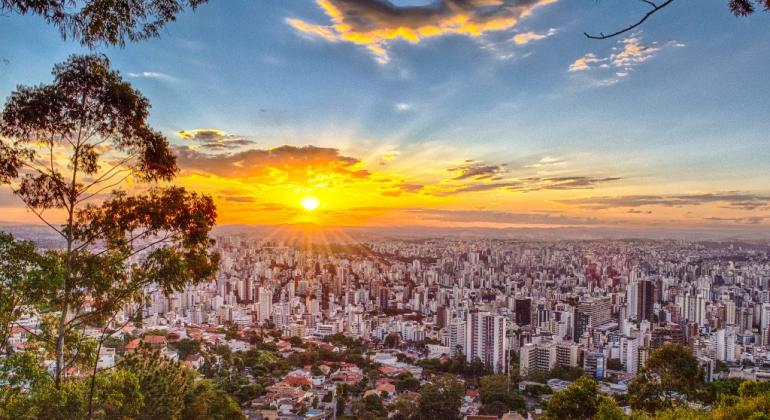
<point>310,203</point>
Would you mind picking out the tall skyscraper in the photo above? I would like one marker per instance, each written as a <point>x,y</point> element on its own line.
<point>265,304</point>
<point>486,338</point>
<point>523,311</point>
<point>640,297</point>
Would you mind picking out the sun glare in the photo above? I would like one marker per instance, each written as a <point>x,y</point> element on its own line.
<point>310,203</point>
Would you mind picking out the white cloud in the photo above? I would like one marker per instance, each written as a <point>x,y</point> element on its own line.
<point>151,75</point>
<point>404,107</point>
<point>620,63</point>
<point>527,37</point>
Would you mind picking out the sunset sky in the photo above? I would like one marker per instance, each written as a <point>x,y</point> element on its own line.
<point>463,113</point>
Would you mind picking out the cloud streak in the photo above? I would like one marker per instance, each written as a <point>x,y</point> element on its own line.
<point>732,199</point>
<point>374,24</point>
<point>214,139</point>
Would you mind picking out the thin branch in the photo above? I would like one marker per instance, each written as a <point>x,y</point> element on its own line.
<point>36,335</point>
<point>38,214</point>
<point>106,187</point>
<point>106,176</point>
<point>655,9</point>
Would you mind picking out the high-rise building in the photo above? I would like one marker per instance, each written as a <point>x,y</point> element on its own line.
<point>542,357</point>
<point>591,313</point>
<point>456,337</point>
<point>640,297</point>
<point>523,311</point>
<point>265,304</point>
<point>486,338</point>
<point>594,365</point>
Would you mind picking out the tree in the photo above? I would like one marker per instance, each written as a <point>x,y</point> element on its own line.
<point>441,399</point>
<point>677,369</point>
<point>405,407</point>
<point>672,374</point>
<point>737,7</point>
<point>204,401</point>
<point>578,401</point>
<point>608,410</point>
<point>186,347</point>
<point>645,393</point>
<point>370,407</point>
<point>95,22</point>
<point>498,389</point>
<point>67,143</point>
<point>119,395</point>
<point>164,383</point>
<point>20,268</point>
<point>406,382</point>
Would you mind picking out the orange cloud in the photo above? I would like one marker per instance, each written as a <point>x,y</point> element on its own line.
<point>281,164</point>
<point>527,37</point>
<point>375,23</point>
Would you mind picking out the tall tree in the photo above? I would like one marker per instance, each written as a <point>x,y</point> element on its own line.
<point>94,22</point>
<point>65,145</point>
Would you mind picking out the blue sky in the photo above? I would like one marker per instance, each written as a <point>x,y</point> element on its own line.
<point>683,115</point>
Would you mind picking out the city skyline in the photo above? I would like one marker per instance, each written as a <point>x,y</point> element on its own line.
<point>484,115</point>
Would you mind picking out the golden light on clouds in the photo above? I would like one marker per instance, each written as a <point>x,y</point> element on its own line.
<point>375,23</point>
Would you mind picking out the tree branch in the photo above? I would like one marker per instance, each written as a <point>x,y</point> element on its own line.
<point>655,9</point>
<point>38,214</point>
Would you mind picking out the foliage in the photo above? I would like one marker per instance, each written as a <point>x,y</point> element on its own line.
<point>405,407</point>
<point>88,116</point>
<point>186,347</point>
<point>95,22</point>
<point>144,386</point>
<point>406,382</point>
<point>20,275</point>
<point>370,407</point>
<point>608,410</point>
<point>580,400</point>
<point>496,390</point>
<point>441,399</point>
<point>672,373</point>
<point>204,401</point>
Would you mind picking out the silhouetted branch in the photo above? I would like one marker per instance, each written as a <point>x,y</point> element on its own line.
<point>655,8</point>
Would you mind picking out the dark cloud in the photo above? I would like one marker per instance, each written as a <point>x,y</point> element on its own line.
<point>296,164</point>
<point>213,139</point>
<point>227,144</point>
<point>735,200</point>
<point>478,170</point>
<point>375,23</point>
<point>569,182</point>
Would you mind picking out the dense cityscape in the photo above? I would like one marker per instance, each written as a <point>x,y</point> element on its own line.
<point>384,210</point>
<point>379,319</point>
